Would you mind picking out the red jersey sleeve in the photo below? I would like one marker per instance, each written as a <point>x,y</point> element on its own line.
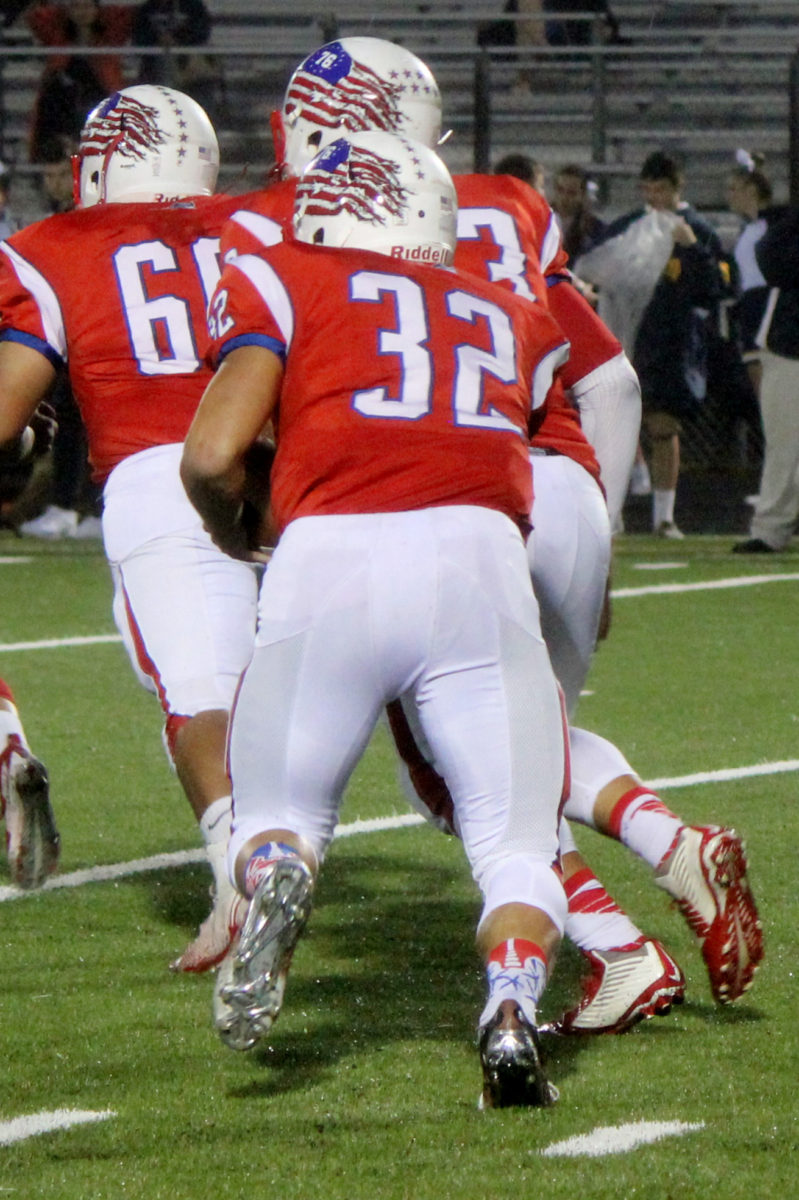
<point>592,342</point>
<point>260,221</point>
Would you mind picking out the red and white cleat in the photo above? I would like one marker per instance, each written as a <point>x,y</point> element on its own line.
<point>32,841</point>
<point>624,986</point>
<point>705,872</point>
<point>216,935</point>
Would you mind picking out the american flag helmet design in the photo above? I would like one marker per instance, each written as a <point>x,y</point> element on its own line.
<point>333,90</point>
<point>124,124</point>
<point>346,178</point>
<point>354,85</point>
<point>146,142</point>
<point>377,191</point>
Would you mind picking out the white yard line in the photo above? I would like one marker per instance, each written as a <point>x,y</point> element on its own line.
<point>99,639</point>
<point>618,594</point>
<point>618,1139</point>
<point>709,585</point>
<point>600,1141</point>
<point>179,858</point>
<point>20,1128</point>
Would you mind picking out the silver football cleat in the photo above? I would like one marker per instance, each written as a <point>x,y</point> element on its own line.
<point>252,978</point>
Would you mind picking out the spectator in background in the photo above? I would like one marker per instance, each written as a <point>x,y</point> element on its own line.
<point>523,167</point>
<point>777,507</point>
<point>9,223</point>
<point>72,84</point>
<point>532,29</point>
<point>659,274</point>
<point>573,196</point>
<point>580,32</point>
<point>734,367</point>
<point>56,178</point>
<point>749,195</point>
<point>167,25</point>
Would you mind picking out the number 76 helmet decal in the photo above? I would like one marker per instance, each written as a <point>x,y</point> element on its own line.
<point>377,191</point>
<point>354,85</point>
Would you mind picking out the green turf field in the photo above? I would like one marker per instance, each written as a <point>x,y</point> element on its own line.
<point>368,1087</point>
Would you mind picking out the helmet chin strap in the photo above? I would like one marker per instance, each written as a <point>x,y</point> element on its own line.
<point>75,162</point>
<point>112,146</point>
<point>279,141</point>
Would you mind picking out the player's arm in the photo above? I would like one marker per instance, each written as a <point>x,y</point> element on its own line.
<point>609,400</point>
<point>26,376</point>
<point>237,404</point>
<point>603,385</point>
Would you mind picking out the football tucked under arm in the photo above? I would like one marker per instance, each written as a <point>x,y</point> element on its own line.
<point>18,457</point>
<point>227,457</point>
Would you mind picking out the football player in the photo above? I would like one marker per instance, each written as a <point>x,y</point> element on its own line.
<point>32,841</point>
<point>117,290</point>
<point>400,488</point>
<point>507,232</point>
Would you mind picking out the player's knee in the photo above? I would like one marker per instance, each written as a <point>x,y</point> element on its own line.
<point>523,879</point>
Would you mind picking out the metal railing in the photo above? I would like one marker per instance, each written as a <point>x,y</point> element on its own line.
<point>483,71</point>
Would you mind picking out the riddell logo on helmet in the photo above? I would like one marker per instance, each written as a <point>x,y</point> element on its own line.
<point>430,254</point>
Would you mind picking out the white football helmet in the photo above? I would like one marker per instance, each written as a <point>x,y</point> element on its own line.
<point>145,143</point>
<point>381,192</point>
<point>354,85</point>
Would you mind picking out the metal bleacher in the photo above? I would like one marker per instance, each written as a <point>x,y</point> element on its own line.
<point>700,77</point>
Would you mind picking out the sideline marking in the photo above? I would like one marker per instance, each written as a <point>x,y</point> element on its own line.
<point>8,559</point>
<point>661,589</point>
<point>618,1139</point>
<point>709,585</point>
<point>98,639</point>
<point>659,566</point>
<point>179,858</point>
<point>46,1122</point>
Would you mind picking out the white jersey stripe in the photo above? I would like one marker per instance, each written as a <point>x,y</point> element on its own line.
<point>270,287</point>
<point>264,228</point>
<point>545,371</point>
<point>550,244</point>
<point>46,300</point>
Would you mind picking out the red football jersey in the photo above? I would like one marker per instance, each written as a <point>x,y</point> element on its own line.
<point>591,341</point>
<point>264,220</point>
<point>405,386</point>
<point>119,292</point>
<point>506,233</point>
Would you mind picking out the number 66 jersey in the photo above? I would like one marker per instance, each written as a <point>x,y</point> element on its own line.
<point>119,292</point>
<point>405,385</point>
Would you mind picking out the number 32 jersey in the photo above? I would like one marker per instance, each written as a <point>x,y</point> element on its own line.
<point>405,386</point>
<point>119,292</point>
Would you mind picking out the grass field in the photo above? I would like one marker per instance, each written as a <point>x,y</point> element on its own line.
<point>368,1088</point>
